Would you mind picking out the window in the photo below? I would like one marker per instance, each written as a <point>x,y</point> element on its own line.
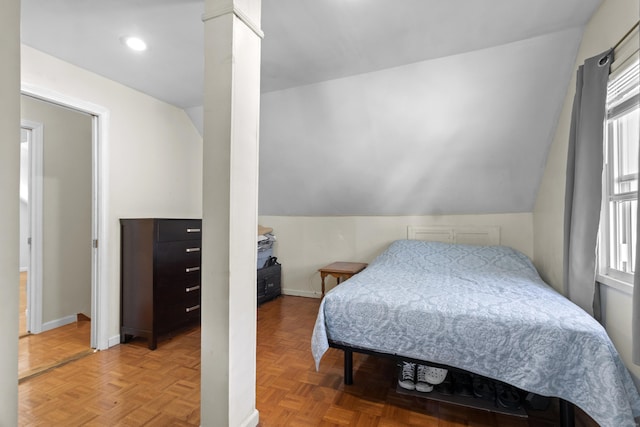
<point>620,177</point>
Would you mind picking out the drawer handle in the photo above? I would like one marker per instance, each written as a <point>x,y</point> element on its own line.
<point>190,309</point>
<point>189,250</point>
<point>191,269</point>
<point>191,289</point>
<point>193,230</point>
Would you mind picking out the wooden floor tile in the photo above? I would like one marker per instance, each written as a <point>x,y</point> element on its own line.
<point>130,385</point>
<point>37,353</point>
<point>22,320</point>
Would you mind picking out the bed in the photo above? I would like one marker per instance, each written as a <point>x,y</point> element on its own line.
<point>482,309</point>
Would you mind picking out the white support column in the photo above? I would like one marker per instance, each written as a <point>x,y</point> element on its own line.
<point>230,155</point>
<point>9,213</point>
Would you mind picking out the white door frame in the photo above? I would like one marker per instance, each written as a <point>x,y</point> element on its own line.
<point>34,276</point>
<point>99,202</point>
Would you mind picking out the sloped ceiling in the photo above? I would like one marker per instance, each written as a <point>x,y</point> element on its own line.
<point>369,106</point>
<point>312,41</point>
<point>467,133</point>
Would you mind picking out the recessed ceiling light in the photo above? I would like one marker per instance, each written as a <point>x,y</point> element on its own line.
<point>135,43</point>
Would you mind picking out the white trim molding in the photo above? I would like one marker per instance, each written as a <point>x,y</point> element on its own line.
<point>114,340</point>
<point>252,420</point>
<point>36,194</point>
<point>47,326</point>
<point>615,283</point>
<point>297,293</point>
<point>238,13</point>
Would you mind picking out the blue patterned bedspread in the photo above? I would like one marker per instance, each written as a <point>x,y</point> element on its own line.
<point>483,309</point>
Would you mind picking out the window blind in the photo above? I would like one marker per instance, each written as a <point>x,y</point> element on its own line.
<point>623,89</point>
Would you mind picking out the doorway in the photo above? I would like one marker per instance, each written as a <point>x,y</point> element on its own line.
<point>58,239</point>
<point>99,125</point>
<point>25,232</point>
<point>65,212</point>
<point>31,137</point>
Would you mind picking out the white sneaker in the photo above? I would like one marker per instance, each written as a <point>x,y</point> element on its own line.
<point>433,375</point>
<point>422,383</point>
<point>406,378</point>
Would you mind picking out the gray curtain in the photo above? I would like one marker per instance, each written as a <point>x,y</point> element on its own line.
<point>583,195</point>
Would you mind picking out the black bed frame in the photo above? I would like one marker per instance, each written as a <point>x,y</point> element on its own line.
<point>567,415</point>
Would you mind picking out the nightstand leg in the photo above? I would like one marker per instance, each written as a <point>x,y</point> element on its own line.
<point>322,276</point>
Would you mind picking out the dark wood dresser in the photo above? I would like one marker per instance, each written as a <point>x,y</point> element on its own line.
<point>159,276</point>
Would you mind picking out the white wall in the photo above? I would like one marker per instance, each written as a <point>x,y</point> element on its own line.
<point>305,244</point>
<point>608,25</point>
<point>9,214</point>
<point>154,154</point>
<point>67,194</point>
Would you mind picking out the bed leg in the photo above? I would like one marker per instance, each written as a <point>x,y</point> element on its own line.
<point>567,416</point>
<point>348,367</point>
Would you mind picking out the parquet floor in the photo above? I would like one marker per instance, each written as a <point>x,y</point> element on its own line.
<point>22,322</point>
<point>291,393</point>
<point>39,353</point>
<point>127,385</point>
<point>130,385</point>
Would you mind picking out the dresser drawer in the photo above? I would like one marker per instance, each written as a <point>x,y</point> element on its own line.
<point>179,229</point>
<point>172,315</point>
<point>179,293</point>
<point>176,259</point>
<point>181,281</point>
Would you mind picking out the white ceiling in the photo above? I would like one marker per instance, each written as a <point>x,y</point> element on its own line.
<point>435,106</point>
<point>306,41</point>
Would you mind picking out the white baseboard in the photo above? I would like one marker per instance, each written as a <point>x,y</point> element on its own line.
<point>252,420</point>
<point>24,269</point>
<point>113,341</point>
<point>46,326</point>
<point>297,293</point>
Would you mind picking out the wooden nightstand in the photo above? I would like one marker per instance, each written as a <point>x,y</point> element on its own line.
<point>341,271</point>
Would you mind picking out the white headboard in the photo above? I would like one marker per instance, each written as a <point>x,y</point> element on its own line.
<point>468,235</point>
